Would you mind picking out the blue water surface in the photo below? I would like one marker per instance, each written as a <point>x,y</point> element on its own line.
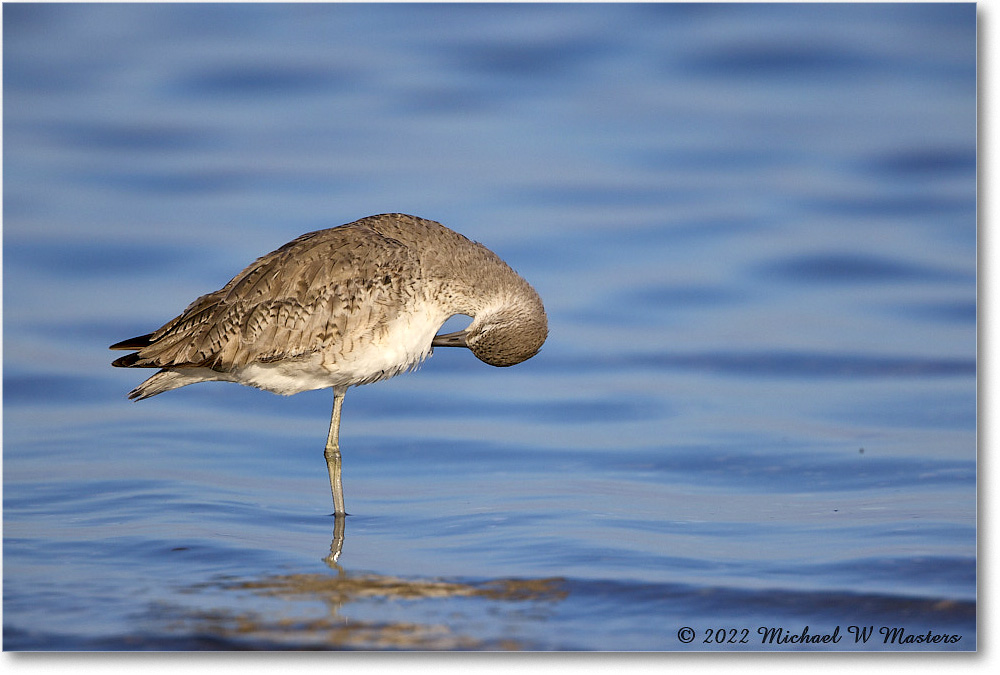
<point>754,230</point>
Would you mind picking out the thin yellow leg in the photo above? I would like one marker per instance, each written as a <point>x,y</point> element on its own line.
<point>332,455</point>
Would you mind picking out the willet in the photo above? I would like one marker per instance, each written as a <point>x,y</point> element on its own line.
<point>345,306</point>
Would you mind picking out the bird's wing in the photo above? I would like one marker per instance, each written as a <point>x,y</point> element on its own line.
<point>316,293</point>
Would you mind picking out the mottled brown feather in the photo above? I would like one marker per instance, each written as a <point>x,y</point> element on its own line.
<point>300,299</point>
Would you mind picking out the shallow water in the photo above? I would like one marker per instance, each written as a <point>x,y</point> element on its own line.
<point>754,229</point>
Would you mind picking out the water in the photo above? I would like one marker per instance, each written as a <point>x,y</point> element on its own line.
<point>754,228</point>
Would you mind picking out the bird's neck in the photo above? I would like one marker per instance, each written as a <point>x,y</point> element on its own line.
<point>477,282</point>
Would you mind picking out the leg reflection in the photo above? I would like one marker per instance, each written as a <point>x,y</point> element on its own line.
<point>337,545</point>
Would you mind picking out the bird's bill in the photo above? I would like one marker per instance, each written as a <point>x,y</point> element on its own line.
<point>457,339</point>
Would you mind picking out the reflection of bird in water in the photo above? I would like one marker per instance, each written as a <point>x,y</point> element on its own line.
<point>349,305</point>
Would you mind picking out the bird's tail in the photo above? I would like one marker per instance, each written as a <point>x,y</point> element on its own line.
<point>165,380</point>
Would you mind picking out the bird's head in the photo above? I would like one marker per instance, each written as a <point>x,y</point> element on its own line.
<point>502,337</point>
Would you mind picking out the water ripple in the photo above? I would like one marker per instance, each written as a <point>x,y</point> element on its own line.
<point>776,364</point>
<point>855,268</point>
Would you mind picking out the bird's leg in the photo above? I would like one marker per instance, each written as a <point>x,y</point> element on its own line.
<point>332,454</point>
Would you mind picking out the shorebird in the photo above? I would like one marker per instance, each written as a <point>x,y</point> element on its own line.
<point>345,306</point>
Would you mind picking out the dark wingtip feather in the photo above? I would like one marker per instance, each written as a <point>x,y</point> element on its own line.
<point>126,361</point>
<point>134,343</point>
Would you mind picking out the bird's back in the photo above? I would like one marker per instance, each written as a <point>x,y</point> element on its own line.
<point>317,293</point>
